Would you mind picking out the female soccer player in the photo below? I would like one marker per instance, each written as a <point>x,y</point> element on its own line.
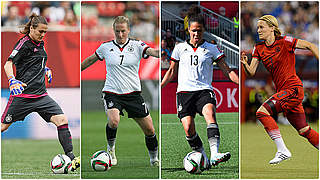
<point>28,89</point>
<point>277,55</point>
<point>122,89</point>
<point>193,61</point>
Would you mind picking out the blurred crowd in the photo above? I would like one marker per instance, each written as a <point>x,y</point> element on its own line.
<point>97,19</point>
<point>59,14</point>
<point>299,19</point>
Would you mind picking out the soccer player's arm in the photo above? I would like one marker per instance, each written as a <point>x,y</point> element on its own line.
<point>303,44</point>
<point>251,68</point>
<point>89,61</point>
<point>227,71</point>
<point>170,74</point>
<point>8,68</point>
<point>152,52</point>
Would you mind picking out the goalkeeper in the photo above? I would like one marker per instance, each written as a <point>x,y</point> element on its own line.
<point>28,89</point>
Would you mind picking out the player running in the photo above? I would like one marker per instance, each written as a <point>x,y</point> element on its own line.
<point>193,61</point>
<point>122,89</point>
<point>28,91</point>
<point>276,52</point>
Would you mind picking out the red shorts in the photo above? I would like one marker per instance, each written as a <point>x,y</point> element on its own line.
<point>288,100</point>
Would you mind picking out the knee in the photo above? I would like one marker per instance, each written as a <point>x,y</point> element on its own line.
<point>113,122</point>
<point>304,131</point>
<point>4,127</point>
<point>59,120</point>
<point>262,110</point>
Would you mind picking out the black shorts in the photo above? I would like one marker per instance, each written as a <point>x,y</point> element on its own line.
<point>191,102</point>
<point>18,108</point>
<point>133,103</point>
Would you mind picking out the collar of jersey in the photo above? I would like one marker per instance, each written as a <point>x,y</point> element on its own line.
<point>188,41</point>
<point>34,42</point>
<point>274,42</point>
<point>118,45</point>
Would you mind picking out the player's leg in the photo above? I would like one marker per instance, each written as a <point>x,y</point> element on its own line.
<point>111,132</point>
<point>146,125</point>
<point>264,115</point>
<point>4,127</point>
<point>298,121</point>
<point>50,111</point>
<point>192,137</point>
<point>213,134</point>
<point>113,109</point>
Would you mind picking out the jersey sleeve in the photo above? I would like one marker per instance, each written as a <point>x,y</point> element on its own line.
<point>217,54</point>
<point>290,43</point>
<point>99,52</point>
<point>19,51</point>
<point>175,56</point>
<point>255,53</point>
<point>143,48</point>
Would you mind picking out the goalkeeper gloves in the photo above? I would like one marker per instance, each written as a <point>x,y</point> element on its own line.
<point>16,86</point>
<point>48,74</point>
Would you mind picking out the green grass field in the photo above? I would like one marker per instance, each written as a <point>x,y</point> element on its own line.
<point>30,159</point>
<point>131,151</point>
<point>257,149</point>
<point>175,147</point>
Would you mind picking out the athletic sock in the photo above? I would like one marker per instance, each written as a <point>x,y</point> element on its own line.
<point>152,145</point>
<point>312,136</point>
<point>213,138</point>
<point>111,134</point>
<point>65,140</point>
<point>196,144</point>
<point>272,129</point>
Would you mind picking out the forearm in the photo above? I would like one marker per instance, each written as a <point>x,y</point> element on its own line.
<point>167,77</point>
<point>88,61</point>
<point>248,70</point>
<point>234,77</point>
<point>8,68</point>
<point>153,52</point>
<point>314,49</point>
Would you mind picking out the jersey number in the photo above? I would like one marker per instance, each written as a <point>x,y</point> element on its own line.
<point>194,60</point>
<point>121,56</point>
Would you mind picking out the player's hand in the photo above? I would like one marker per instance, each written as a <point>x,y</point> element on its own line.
<point>48,74</point>
<point>16,86</point>
<point>244,58</point>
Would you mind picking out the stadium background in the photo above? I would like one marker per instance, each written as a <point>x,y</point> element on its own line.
<point>299,20</point>
<point>62,43</point>
<point>221,19</point>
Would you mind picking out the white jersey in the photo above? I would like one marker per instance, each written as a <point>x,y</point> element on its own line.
<point>122,65</point>
<point>195,65</point>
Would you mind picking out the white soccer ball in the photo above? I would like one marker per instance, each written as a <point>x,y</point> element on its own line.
<point>61,164</point>
<point>194,163</point>
<point>101,161</point>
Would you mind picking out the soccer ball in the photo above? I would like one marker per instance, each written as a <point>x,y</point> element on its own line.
<point>61,164</point>
<point>194,163</point>
<point>101,161</point>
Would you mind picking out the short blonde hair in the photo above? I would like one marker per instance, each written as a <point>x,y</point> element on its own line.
<point>120,20</point>
<point>272,22</point>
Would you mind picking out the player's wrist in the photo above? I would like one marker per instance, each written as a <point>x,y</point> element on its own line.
<point>11,77</point>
